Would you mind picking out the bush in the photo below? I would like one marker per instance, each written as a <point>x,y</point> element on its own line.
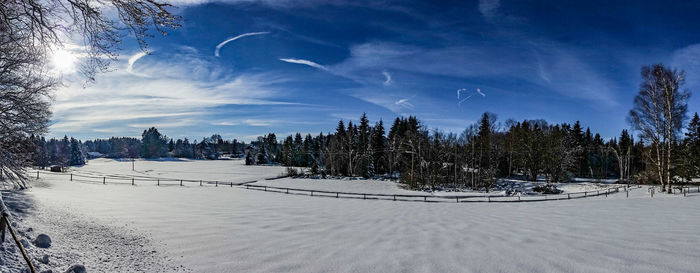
<point>547,189</point>
<point>292,172</point>
<point>646,177</point>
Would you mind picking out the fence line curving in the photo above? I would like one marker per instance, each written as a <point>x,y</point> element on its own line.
<point>442,198</point>
<point>127,179</point>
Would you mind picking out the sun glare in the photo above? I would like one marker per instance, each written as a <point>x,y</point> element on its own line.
<point>63,61</point>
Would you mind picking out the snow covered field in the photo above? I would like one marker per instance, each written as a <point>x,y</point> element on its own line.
<point>124,228</point>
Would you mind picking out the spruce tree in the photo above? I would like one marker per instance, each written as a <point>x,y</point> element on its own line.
<point>692,146</point>
<point>378,148</point>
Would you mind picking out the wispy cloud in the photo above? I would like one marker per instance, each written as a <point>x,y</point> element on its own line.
<point>404,103</point>
<point>387,77</point>
<point>305,62</point>
<point>567,72</point>
<point>184,90</point>
<point>461,90</point>
<point>132,60</point>
<point>222,44</point>
<point>489,8</point>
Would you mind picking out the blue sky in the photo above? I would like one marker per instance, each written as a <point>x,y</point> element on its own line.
<point>300,66</point>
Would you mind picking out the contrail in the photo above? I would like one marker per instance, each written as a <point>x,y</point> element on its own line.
<point>460,91</point>
<point>404,103</point>
<point>304,62</point>
<point>132,60</point>
<point>220,45</point>
<point>478,92</point>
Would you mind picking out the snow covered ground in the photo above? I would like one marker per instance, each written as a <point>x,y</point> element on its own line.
<point>174,169</point>
<point>231,229</point>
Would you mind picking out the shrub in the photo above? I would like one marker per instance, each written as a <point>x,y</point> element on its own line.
<point>547,189</point>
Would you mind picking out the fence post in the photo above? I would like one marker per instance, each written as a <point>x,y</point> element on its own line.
<point>606,192</point>
<point>457,199</point>
<point>628,194</point>
<point>180,182</point>
<point>17,241</point>
<point>265,188</point>
<point>231,184</point>
<point>585,194</point>
<point>489,198</point>
<point>158,182</point>
<point>287,190</point>
<point>37,174</point>
<point>132,181</point>
<point>364,196</point>
<point>518,198</point>
<point>312,193</point>
<point>246,186</point>
<point>217,183</point>
<point>425,199</point>
<point>394,197</point>
<point>71,177</point>
<point>568,196</point>
<point>104,180</point>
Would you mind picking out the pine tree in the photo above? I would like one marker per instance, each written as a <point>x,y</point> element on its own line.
<point>692,146</point>
<point>262,156</point>
<point>378,148</point>
<point>249,159</point>
<point>76,154</point>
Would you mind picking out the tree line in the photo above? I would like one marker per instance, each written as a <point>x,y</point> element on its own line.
<point>73,152</point>
<point>424,158</point>
<point>528,149</point>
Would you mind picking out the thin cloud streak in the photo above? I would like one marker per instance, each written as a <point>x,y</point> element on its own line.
<point>387,76</point>
<point>305,62</point>
<point>132,60</point>
<point>222,44</point>
<point>175,94</point>
<point>404,103</point>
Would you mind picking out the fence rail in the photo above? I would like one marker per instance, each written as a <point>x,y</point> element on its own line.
<point>443,198</point>
<point>126,179</point>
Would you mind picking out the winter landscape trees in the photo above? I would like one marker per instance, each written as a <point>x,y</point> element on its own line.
<point>658,114</point>
<point>425,158</point>
<point>31,31</point>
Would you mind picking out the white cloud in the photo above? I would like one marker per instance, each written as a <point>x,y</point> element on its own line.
<point>688,59</point>
<point>132,60</point>
<point>184,90</point>
<point>222,44</point>
<point>404,103</point>
<point>567,73</point>
<point>305,62</point>
<point>387,77</point>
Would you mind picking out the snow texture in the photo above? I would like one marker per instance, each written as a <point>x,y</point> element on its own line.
<point>113,228</point>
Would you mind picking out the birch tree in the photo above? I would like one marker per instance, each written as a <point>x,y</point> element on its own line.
<point>658,114</point>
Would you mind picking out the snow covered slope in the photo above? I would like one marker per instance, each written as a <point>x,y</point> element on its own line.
<point>224,229</point>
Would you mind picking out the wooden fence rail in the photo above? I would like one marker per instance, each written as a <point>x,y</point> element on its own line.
<point>496,198</point>
<point>442,198</point>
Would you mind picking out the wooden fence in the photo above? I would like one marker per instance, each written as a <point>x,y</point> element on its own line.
<point>496,198</point>
<point>445,198</point>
